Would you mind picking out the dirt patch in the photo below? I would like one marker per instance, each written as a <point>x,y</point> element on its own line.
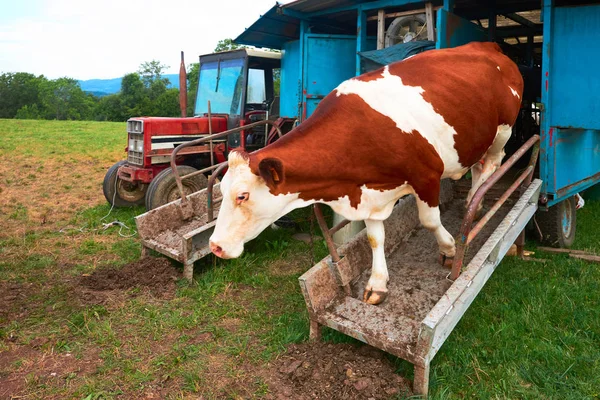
<point>291,266</point>
<point>24,366</point>
<point>152,274</point>
<point>15,299</point>
<point>334,371</point>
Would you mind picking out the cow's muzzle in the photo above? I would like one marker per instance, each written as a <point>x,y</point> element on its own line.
<point>217,250</point>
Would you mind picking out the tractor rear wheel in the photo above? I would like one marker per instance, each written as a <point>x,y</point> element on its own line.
<point>120,193</point>
<point>558,223</point>
<point>163,188</point>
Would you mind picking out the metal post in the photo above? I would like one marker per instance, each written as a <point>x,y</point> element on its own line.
<point>212,155</point>
<point>361,36</point>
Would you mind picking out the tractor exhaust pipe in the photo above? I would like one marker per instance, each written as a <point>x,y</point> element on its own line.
<point>182,88</point>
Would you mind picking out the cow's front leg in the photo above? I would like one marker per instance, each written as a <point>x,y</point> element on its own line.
<point>430,219</point>
<point>376,290</point>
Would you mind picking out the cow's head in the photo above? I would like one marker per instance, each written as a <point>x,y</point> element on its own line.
<point>248,205</point>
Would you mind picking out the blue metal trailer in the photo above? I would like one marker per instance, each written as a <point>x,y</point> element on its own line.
<point>321,42</point>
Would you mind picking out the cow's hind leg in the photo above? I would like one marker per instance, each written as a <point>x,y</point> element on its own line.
<point>376,289</point>
<point>430,219</point>
<point>491,161</point>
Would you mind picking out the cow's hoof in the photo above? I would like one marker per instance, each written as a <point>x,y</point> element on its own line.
<point>374,296</point>
<point>446,261</point>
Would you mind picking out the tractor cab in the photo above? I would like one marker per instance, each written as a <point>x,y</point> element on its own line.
<point>239,85</point>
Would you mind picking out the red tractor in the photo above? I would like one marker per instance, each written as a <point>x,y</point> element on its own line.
<point>238,86</point>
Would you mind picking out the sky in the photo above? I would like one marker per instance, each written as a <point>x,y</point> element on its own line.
<point>86,39</point>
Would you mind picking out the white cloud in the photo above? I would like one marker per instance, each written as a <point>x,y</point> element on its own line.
<point>106,39</point>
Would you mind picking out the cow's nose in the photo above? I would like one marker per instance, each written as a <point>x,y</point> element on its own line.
<point>216,249</point>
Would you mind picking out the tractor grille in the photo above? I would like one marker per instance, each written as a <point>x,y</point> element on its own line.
<point>135,150</point>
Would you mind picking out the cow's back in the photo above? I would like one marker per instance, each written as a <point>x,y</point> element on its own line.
<point>474,87</point>
<point>410,122</point>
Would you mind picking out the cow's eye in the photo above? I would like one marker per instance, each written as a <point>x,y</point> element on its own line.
<point>242,197</point>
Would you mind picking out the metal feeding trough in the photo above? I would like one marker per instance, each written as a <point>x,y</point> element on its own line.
<point>423,304</point>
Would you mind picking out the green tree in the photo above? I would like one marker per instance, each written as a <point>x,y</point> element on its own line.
<point>192,84</point>
<point>226,45</point>
<point>29,112</point>
<point>63,99</point>
<point>18,90</point>
<point>110,108</point>
<point>132,94</point>
<point>151,72</point>
<point>167,103</point>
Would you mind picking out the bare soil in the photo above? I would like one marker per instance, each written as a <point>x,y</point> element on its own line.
<point>152,274</point>
<point>15,299</point>
<point>334,371</point>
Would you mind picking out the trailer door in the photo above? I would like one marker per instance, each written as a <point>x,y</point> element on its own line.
<point>328,61</point>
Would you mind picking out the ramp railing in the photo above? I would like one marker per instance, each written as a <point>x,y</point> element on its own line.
<point>469,232</point>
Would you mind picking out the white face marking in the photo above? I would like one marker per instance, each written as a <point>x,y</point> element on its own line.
<point>514,92</point>
<point>247,208</point>
<point>406,106</point>
<point>498,67</point>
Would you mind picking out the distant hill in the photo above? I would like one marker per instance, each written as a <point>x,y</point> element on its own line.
<point>104,87</point>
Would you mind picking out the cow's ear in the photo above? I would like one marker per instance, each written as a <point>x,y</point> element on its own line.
<point>271,170</point>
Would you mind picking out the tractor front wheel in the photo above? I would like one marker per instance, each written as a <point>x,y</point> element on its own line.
<point>120,193</point>
<point>558,223</point>
<point>163,188</point>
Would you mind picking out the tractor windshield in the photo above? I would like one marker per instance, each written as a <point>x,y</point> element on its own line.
<point>221,83</point>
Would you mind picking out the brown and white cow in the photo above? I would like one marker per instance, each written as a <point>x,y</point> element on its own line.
<point>375,138</point>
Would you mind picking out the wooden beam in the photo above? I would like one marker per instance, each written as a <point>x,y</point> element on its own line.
<point>519,19</point>
<point>564,251</point>
<point>586,257</point>
<point>403,13</point>
<point>429,21</point>
<point>380,29</point>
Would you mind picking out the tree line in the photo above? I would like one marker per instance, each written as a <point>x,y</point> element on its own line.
<point>145,92</point>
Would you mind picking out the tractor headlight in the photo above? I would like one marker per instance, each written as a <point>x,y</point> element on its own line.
<point>136,144</point>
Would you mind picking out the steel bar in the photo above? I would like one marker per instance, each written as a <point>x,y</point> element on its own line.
<point>465,229</point>
<point>327,234</point>
<point>209,191</point>
<point>212,155</point>
<point>486,218</point>
<point>339,226</point>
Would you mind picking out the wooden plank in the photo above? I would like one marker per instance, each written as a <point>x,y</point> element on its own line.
<point>565,251</point>
<point>429,21</point>
<point>586,257</point>
<point>403,13</point>
<point>380,29</point>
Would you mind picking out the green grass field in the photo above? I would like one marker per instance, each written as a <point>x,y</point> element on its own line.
<point>533,332</point>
